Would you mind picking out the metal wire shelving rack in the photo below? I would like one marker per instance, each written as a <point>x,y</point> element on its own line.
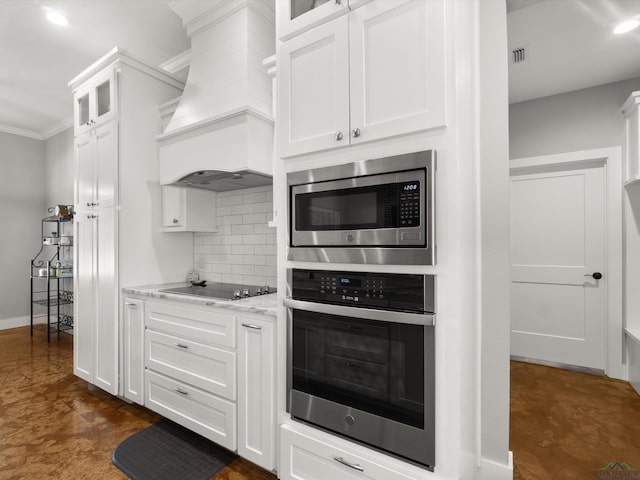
<point>51,273</point>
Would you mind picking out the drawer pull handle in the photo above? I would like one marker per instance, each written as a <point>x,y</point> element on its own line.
<point>131,304</point>
<point>180,345</point>
<point>181,392</point>
<point>355,466</point>
<point>248,325</point>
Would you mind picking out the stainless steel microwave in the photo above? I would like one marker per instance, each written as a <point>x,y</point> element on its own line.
<point>377,211</point>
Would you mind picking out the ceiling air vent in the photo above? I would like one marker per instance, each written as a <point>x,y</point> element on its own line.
<point>520,54</point>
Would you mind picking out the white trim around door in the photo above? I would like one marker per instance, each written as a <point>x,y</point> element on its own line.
<point>611,157</point>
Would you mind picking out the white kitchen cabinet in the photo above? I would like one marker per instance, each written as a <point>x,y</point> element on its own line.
<point>213,370</point>
<point>188,209</point>
<point>632,139</point>
<point>94,102</point>
<point>96,298</point>
<point>118,203</point>
<point>96,154</point>
<point>307,454</point>
<point>210,416</point>
<point>204,366</point>
<point>375,73</point>
<point>297,16</point>
<point>133,346</point>
<point>256,391</point>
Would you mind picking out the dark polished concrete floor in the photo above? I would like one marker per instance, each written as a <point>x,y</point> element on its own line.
<point>53,426</point>
<point>564,425</point>
<point>567,425</point>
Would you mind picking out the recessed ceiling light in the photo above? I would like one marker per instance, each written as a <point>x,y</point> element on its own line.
<point>627,26</point>
<point>57,18</point>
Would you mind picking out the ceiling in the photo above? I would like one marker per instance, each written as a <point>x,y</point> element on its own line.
<point>39,58</point>
<point>569,46</point>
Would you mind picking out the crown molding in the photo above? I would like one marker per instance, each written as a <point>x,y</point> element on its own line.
<point>177,63</point>
<point>23,132</point>
<point>57,128</point>
<point>42,135</point>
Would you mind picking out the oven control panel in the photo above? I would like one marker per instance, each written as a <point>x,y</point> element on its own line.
<point>408,292</point>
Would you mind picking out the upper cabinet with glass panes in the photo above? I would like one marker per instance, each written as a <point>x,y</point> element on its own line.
<point>297,16</point>
<point>94,102</point>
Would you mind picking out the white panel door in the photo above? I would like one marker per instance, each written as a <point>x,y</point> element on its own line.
<point>256,393</point>
<point>397,68</point>
<point>133,345</point>
<point>85,173</point>
<point>557,243</point>
<point>106,298</point>
<point>106,164</point>
<point>83,292</point>
<point>314,90</point>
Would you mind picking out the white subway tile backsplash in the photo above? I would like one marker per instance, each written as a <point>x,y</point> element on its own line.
<point>254,239</point>
<point>256,197</point>
<point>254,259</point>
<point>269,250</point>
<point>243,250</point>
<point>227,200</point>
<point>255,218</point>
<point>266,207</point>
<point>242,209</point>
<point>243,229</point>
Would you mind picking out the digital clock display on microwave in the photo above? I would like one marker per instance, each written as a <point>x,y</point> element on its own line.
<point>408,187</point>
<point>350,282</point>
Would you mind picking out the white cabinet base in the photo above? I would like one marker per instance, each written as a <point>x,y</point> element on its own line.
<point>309,454</point>
<point>210,416</point>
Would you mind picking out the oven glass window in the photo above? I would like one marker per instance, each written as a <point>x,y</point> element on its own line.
<point>377,367</point>
<point>347,209</point>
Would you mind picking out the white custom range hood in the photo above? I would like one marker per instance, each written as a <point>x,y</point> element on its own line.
<point>220,136</point>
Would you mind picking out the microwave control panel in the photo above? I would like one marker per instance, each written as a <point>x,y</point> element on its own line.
<point>410,204</point>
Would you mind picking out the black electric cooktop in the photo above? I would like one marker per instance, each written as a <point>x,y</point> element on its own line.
<point>226,291</point>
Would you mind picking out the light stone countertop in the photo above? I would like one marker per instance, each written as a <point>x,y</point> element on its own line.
<point>264,304</point>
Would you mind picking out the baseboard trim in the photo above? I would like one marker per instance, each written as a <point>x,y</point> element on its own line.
<point>564,366</point>
<point>7,323</point>
<point>490,470</point>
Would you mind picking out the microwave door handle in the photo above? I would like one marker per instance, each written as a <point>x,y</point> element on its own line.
<point>364,313</point>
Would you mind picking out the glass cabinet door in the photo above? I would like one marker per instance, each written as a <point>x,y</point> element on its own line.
<point>297,16</point>
<point>83,109</point>
<point>94,102</point>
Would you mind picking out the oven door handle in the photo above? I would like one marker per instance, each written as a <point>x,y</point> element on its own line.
<point>365,313</point>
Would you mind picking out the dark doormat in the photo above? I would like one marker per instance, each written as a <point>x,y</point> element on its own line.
<point>167,451</point>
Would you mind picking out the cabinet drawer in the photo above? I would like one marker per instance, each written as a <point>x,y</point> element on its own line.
<point>205,414</point>
<point>200,325</point>
<point>209,368</point>
<point>302,456</point>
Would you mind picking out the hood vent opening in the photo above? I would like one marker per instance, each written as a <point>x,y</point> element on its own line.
<point>220,181</point>
<point>520,54</point>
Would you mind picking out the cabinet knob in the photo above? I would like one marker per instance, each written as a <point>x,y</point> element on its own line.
<point>338,136</point>
<point>355,132</point>
<point>175,220</point>
<point>88,204</point>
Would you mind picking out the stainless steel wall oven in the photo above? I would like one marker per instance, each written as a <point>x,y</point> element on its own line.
<point>360,360</point>
<point>374,211</point>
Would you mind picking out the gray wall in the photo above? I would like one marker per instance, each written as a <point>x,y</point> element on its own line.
<point>59,168</point>
<point>579,120</point>
<point>22,196</point>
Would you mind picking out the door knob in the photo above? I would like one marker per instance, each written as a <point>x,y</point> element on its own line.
<point>595,275</point>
